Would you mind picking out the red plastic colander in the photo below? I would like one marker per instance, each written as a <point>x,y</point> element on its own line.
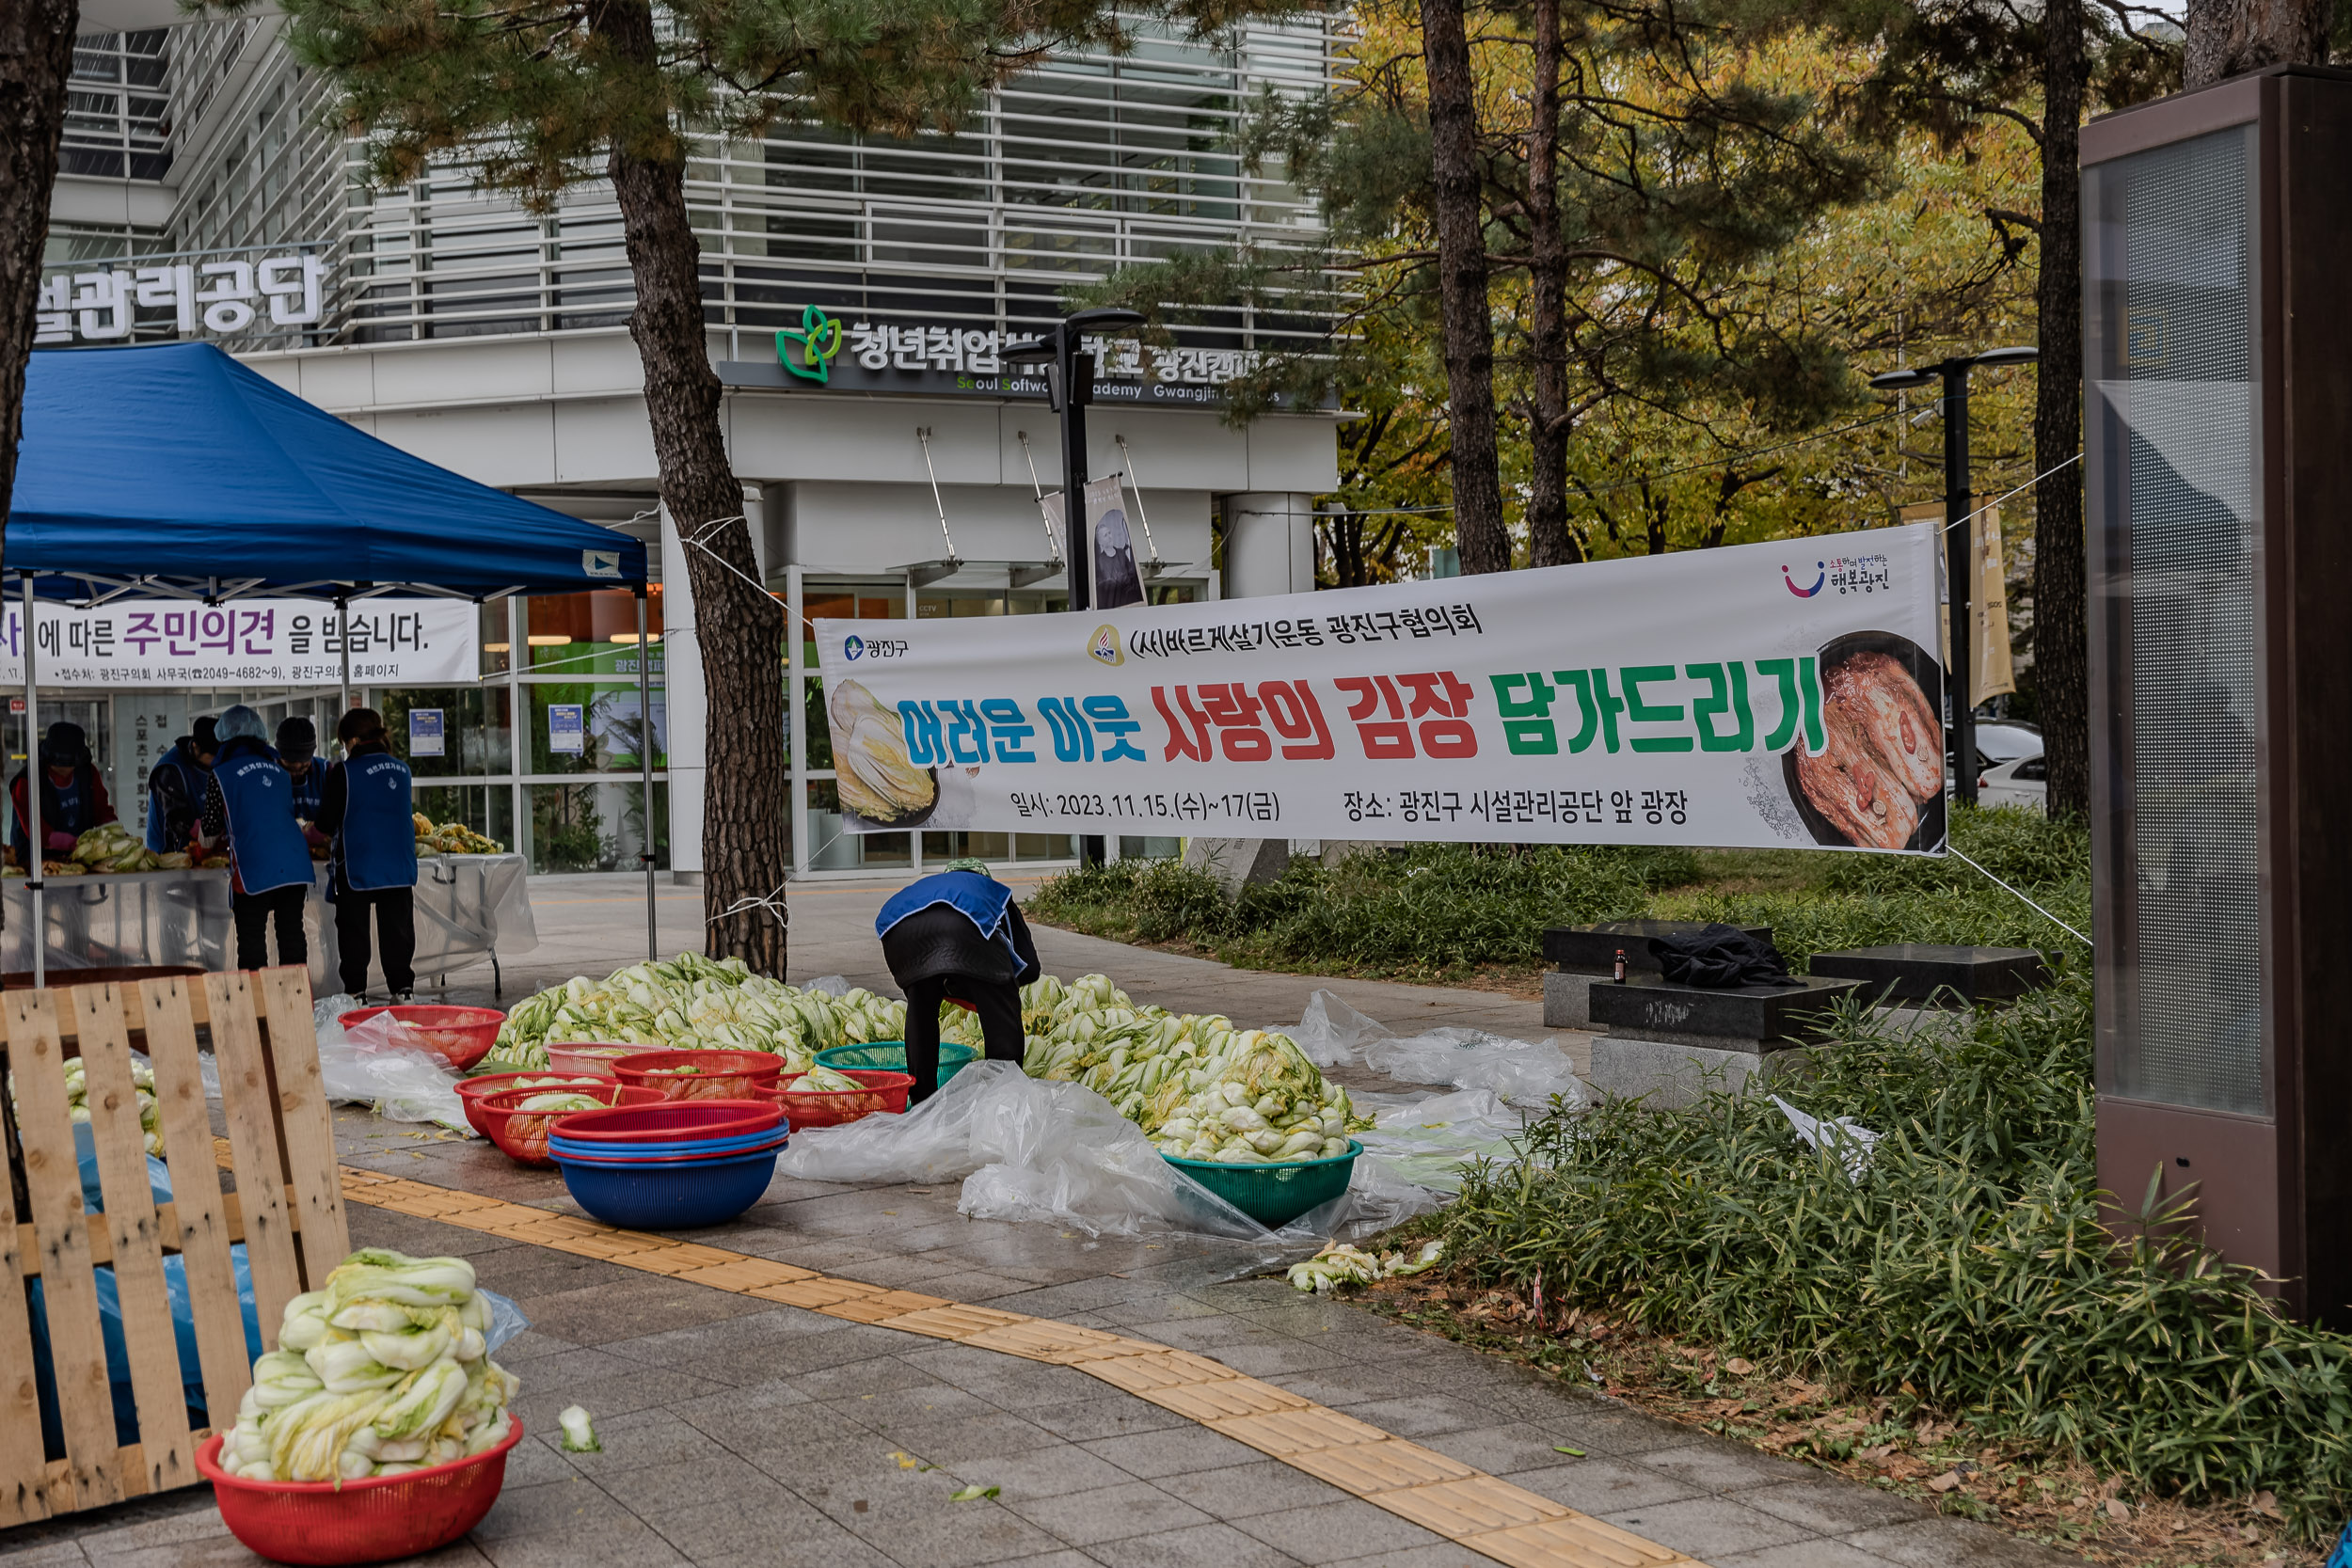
<point>460,1035</point>
<point>715,1075</point>
<point>522,1135</point>
<point>373,1520</point>
<point>879,1090</point>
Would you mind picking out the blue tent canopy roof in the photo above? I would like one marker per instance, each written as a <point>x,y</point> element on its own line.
<point>174,469</point>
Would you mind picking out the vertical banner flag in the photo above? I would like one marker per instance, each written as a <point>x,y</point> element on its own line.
<point>1118,577</point>
<point>1774,696</point>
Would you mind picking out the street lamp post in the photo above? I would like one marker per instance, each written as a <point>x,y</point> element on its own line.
<point>1069,386</point>
<point>1959,543</point>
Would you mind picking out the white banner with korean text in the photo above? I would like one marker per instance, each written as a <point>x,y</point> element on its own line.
<point>1773,695</point>
<point>183,642</point>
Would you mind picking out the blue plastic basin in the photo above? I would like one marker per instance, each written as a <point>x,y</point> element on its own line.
<point>680,1197</point>
<point>680,1148</point>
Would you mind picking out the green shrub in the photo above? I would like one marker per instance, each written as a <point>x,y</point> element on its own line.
<point>1967,1267</point>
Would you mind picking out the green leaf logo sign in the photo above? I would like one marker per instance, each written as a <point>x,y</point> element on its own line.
<point>819,338</point>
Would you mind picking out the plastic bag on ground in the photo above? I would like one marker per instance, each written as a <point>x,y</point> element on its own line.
<point>1845,1137</point>
<point>372,1064</point>
<point>1028,1150</point>
<point>1524,1072</point>
<point>506,1320</point>
<point>831,985</point>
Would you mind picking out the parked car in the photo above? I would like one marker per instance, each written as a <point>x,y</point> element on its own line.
<point>2008,739</point>
<point>2025,781</point>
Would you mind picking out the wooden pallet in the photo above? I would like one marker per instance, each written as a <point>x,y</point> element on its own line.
<point>287,1208</point>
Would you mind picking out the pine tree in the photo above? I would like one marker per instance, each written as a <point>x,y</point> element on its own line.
<point>540,95</point>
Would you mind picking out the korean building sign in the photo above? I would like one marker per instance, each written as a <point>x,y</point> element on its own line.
<point>182,642</point>
<point>1736,697</point>
<point>226,297</point>
<point>824,353</point>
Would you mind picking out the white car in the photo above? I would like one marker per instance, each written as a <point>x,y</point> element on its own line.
<point>2022,782</point>
<point>2008,739</point>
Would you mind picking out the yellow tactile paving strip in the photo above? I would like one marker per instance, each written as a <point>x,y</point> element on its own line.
<point>1467,1506</point>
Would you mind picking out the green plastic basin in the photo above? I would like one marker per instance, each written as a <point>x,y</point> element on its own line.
<point>1275,1195</point>
<point>891,1056</point>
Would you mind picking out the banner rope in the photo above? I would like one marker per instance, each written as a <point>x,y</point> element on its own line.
<point>2027,902</point>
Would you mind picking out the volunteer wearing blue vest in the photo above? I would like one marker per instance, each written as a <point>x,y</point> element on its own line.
<point>957,936</point>
<point>73,795</point>
<point>176,787</point>
<point>298,749</point>
<point>250,804</point>
<point>365,807</point>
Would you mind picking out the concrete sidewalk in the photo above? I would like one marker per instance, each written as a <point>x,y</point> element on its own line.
<point>740,1432</point>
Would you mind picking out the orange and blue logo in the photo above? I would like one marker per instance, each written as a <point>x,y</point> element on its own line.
<point>1822,571</point>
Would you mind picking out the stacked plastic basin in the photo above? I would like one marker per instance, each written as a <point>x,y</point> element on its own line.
<point>671,1166</point>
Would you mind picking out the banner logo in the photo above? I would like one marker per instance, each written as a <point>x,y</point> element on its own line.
<point>819,338</point>
<point>853,648</point>
<point>1822,571</point>
<point>600,564</point>
<point>1103,647</point>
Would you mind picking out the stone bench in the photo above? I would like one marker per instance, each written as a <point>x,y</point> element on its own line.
<point>1662,1042</point>
<point>1582,955</point>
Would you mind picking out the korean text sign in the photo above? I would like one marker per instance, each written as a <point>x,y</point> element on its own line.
<point>179,643</point>
<point>1783,694</point>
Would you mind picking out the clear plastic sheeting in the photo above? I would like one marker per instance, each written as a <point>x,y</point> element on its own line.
<point>1525,1073</point>
<point>373,1064</point>
<point>468,908</point>
<point>1028,1150</point>
<point>1425,1140</point>
<point>831,985</point>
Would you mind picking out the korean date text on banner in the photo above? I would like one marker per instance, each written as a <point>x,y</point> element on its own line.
<point>1774,696</point>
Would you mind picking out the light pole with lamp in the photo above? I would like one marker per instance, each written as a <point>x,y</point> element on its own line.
<point>1959,543</point>
<point>1069,386</point>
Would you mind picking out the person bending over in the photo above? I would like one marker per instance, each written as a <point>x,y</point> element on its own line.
<point>176,787</point>
<point>249,803</point>
<point>957,936</point>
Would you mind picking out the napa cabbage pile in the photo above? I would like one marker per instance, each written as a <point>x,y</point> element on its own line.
<point>691,1003</point>
<point>1198,1087</point>
<point>382,1372</point>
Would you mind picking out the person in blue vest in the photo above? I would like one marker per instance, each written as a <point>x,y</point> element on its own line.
<point>73,795</point>
<point>175,789</point>
<point>249,803</point>
<point>298,749</point>
<point>957,936</point>
<point>365,808</point>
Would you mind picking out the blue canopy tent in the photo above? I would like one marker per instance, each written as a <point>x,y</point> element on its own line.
<point>174,471</point>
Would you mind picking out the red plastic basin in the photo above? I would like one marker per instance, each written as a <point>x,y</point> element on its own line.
<point>373,1520</point>
<point>672,1120</point>
<point>716,1075</point>
<point>522,1135</point>
<point>882,1091</point>
<point>471,1092</point>
<point>461,1035</point>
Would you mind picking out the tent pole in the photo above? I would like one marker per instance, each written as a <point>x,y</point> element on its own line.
<point>645,764</point>
<point>343,635</point>
<point>36,848</point>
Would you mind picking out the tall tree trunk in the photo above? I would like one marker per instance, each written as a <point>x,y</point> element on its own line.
<point>1550,542</point>
<point>2060,566</point>
<point>2229,38</point>
<point>737,626</point>
<point>1462,309</point>
<point>36,58</point>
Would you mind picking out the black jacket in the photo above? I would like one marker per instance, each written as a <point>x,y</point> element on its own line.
<point>941,939</point>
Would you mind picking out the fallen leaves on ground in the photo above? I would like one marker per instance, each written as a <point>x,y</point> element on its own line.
<point>1895,1443</point>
